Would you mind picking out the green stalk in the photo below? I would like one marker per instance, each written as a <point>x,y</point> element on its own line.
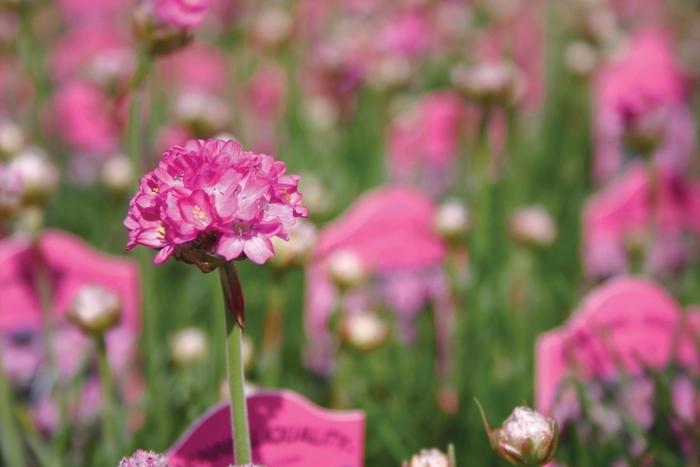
<point>272,333</point>
<point>110,432</point>
<point>10,441</point>
<point>234,314</point>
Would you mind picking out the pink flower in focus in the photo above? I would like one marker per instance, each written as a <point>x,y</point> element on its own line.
<point>84,118</point>
<point>182,13</point>
<point>642,91</point>
<point>423,144</point>
<point>143,458</point>
<point>210,200</point>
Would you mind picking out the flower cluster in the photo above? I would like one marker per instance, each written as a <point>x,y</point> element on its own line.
<point>210,201</point>
<point>143,458</point>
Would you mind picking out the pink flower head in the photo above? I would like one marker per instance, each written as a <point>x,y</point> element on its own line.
<point>143,458</point>
<point>210,201</point>
<point>84,116</point>
<point>632,208</point>
<point>642,90</point>
<point>199,67</point>
<point>424,143</point>
<point>182,13</point>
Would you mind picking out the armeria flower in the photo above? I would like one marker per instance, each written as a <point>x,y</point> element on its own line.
<point>211,201</point>
<point>143,458</point>
<point>182,13</point>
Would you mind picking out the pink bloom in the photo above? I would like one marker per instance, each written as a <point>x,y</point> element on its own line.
<point>424,143</point>
<point>210,200</point>
<point>406,34</point>
<point>84,118</point>
<point>143,458</point>
<point>630,210</point>
<point>389,230</point>
<point>267,92</point>
<point>642,90</point>
<point>199,67</point>
<point>182,13</point>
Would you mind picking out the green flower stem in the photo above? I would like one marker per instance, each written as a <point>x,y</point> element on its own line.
<point>110,432</point>
<point>10,441</point>
<point>234,314</point>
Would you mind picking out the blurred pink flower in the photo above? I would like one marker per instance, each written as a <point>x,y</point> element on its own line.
<point>210,200</point>
<point>267,92</point>
<point>87,10</point>
<point>182,13</point>
<point>70,264</point>
<point>197,67</point>
<point>423,144</point>
<point>85,118</point>
<point>652,218</point>
<point>390,231</point>
<point>406,33</point>
<point>643,89</point>
<point>90,50</point>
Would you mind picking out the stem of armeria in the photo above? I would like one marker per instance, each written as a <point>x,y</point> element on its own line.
<point>233,299</point>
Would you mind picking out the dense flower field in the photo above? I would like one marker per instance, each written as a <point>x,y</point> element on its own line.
<point>393,207</point>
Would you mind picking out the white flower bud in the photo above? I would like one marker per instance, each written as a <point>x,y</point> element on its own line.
<point>11,138</point>
<point>346,269</point>
<point>95,310</point>
<point>364,331</point>
<point>533,226</point>
<point>452,220</point>
<point>428,458</point>
<point>38,174</point>
<point>188,346</point>
<point>117,173</point>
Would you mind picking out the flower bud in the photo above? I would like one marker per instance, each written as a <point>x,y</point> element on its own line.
<point>452,220</point>
<point>346,269</point>
<point>11,138</point>
<point>204,114</point>
<point>581,58</point>
<point>117,173</point>
<point>488,83</point>
<point>295,251</point>
<point>533,226</point>
<point>143,458</point>
<point>525,438</point>
<point>156,36</point>
<point>188,346</point>
<point>38,174</point>
<point>273,26</point>
<point>364,331</point>
<point>428,458</point>
<point>95,310</point>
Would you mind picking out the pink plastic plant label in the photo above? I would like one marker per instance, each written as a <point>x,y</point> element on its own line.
<point>286,431</point>
<point>625,325</point>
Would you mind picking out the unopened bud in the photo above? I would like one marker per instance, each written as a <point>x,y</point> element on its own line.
<point>95,310</point>
<point>364,331</point>
<point>581,58</point>
<point>533,226</point>
<point>11,139</point>
<point>117,173</point>
<point>295,251</point>
<point>273,26</point>
<point>525,438</point>
<point>188,346</point>
<point>156,36</point>
<point>488,83</point>
<point>38,174</point>
<point>452,220</point>
<point>346,269</point>
<point>428,458</point>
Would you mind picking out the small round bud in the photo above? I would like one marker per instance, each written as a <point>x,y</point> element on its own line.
<point>526,438</point>
<point>581,58</point>
<point>188,346</point>
<point>488,83</point>
<point>346,269</point>
<point>428,458</point>
<point>273,26</point>
<point>117,173</point>
<point>38,174</point>
<point>452,220</point>
<point>364,331</point>
<point>11,138</point>
<point>533,226</point>
<point>156,36</point>
<point>295,251</point>
<point>95,310</point>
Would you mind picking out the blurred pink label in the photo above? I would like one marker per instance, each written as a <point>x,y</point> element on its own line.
<point>286,431</point>
<point>626,325</point>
